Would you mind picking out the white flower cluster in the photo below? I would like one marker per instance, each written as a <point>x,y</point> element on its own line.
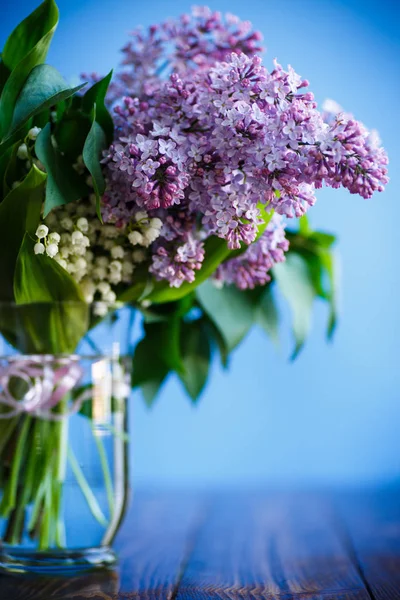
<point>22,151</point>
<point>98,256</point>
<point>47,243</point>
<point>145,230</point>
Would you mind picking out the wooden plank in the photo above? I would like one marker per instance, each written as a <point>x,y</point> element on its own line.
<point>314,560</point>
<point>96,586</point>
<point>372,521</point>
<point>265,548</point>
<point>153,545</point>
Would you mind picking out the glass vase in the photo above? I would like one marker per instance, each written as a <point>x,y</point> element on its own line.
<point>64,385</point>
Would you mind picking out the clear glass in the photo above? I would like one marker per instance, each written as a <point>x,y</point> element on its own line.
<point>63,436</point>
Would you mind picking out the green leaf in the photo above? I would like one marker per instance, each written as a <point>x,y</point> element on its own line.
<point>304,226</point>
<point>316,248</point>
<point>4,75</point>
<point>151,388</point>
<point>218,342</point>
<point>92,151</point>
<point>331,265</point>
<point>267,315</point>
<point>54,312</point>
<point>28,33</point>
<point>41,119</point>
<point>4,162</point>
<point>312,241</point>
<point>230,309</point>
<point>295,282</point>
<point>164,312</point>
<point>11,170</point>
<point>44,88</point>
<point>95,96</point>
<point>168,342</point>
<point>196,356</point>
<point>148,374</point>
<point>39,278</point>
<point>322,239</point>
<point>162,343</point>
<point>37,29</point>
<point>64,184</point>
<point>136,291</point>
<point>71,132</point>
<point>19,213</point>
<point>315,266</point>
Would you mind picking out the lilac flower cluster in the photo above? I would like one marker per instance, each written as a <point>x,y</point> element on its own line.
<point>251,268</point>
<point>190,43</point>
<point>220,142</point>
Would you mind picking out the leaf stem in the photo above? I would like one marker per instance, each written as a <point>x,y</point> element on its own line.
<point>106,470</point>
<point>9,499</point>
<point>86,490</point>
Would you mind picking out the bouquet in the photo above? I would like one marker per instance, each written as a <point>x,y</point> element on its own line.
<point>170,187</point>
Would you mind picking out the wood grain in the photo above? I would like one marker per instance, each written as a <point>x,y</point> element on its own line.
<point>243,547</point>
<point>155,542</point>
<point>152,545</point>
<point>271,547</point>
<point>372,521</point>
<point>93,586</point>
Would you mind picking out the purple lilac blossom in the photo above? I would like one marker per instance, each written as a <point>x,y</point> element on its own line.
<point>217,140</point>
<point>251,268</point>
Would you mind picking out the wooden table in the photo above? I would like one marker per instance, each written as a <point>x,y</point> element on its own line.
<point>247,546</point>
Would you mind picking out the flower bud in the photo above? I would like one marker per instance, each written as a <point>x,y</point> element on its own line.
<point>135,237</point>
<point>83,225</point>
<point>33,133</point>
<point>39,248</point>
<point>42,231</point>
<point>22,152</point>
<point>54,238</point>
<point>52,250</point>
<point>77,237</point>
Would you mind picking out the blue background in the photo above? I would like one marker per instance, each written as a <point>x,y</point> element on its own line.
<point>333,416</point>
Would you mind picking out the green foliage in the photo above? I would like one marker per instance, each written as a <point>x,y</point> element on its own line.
<point>196,356</point>
<point>71,131</point>
<point>156,355</point>
<point>217,341</point>
<point>5,158</point>
<point>267,315</point>
<point>38,278</point>
<point>95,96</point>
<point>92,150</point>
<point>315,247</point>
<point>295,282</point>
<point>44,87</point>
<point>4,74</point>
<point>64,184</point>
<point>26,47</point>
<point>231,310</point>
<point>172,343</point>
<point>19,213</point>
<point>175,339</point>
<point>330,264</point>
<point>54,312</point>
<point>29,89</point>
<point>227,314</point>
<point>28,33</point>
<point>11,170</point>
